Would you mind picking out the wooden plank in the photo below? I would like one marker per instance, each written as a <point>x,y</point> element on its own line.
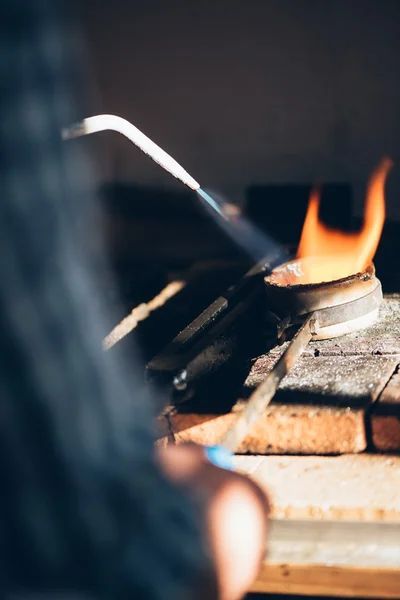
<point>315,580</point>
<point>335,525</point>
<point>385,417</point>
<point>319,408</point>
<point>332,558</point>
<point>363,487</point>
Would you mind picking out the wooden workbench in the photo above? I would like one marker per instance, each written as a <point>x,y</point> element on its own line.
<point>335,528</point>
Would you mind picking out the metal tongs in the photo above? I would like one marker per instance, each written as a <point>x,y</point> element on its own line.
<point>241,231</point>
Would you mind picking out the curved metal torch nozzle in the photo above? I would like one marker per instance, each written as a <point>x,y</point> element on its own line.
<point>114,123</point>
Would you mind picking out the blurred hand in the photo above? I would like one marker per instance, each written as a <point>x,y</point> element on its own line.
<point>236,515</point>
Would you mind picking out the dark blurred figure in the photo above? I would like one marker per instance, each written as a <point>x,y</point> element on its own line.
<point>86,507</point>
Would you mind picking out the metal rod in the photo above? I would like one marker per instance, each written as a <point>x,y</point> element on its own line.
<point>240,230</point>
<point>263,395</point>
<point>114,123</point>
<point>142,312</point>
<point>203,330</point>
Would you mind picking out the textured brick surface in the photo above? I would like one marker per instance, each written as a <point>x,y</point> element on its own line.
<point>353,487</point>
<point>385,418</point>
<point>329,380</point>
<point>295,429</point>
<point>319,408</point>
<point>383,337</point>
<point>324,403</point>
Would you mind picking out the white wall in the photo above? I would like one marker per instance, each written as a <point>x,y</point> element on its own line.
<point>247,91</point>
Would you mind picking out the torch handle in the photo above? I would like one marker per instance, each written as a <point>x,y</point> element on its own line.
<point>263,395</point>
<point>114,123</point>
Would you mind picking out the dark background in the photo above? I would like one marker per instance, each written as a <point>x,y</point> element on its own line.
<point>258,99</point>
<point>251,92</point>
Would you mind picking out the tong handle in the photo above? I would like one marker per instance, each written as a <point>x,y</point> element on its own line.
<point>264,393</point>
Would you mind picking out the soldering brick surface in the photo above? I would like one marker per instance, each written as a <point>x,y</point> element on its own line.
<point>318,409</point>
<point>323,405</point>
<point>385,418</point>
<point>295,429</point>
<point>329,380</point>
<point>353,487</point>
<point>383,337</point>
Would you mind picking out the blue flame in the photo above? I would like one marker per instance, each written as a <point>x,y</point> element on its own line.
<point>211,202</point>
<point>256,243</point>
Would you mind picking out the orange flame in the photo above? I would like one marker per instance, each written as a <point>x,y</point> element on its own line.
<point>340,254</point>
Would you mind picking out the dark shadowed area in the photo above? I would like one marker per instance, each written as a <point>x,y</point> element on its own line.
<point>258,101</point>
<point>251,93</point>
